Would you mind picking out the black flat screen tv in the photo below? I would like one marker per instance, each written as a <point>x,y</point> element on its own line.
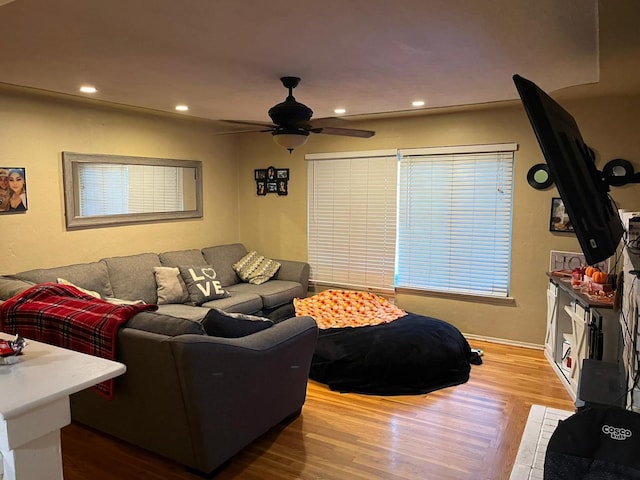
<point>581,185</point>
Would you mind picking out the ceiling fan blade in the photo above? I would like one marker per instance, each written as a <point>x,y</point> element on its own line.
<point>257,124</point>
<point>235,132</point>
<point>329,122</point>
<point>345,132</point>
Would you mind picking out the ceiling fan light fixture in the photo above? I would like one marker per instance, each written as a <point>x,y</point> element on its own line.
<point>290,138</point>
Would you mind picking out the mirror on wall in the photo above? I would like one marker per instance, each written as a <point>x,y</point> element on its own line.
<point>101,190</point>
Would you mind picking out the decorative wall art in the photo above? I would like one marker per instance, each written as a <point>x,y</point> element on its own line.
<point>272,180</point>
<point>13,190</point>
<point>559,221</point>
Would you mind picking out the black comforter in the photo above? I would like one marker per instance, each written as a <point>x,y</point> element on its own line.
<point>411,355</point>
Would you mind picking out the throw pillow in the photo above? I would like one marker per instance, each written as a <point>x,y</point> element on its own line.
<point>62,281</point>
<point>218,323</point>
<point>202,284</point>
<point>256,269</point>
<point>171,286</point>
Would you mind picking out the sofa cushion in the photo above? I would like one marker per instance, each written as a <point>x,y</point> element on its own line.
<point>10,286</point>
<point>218,323</point>
<point>164,324</point>
<point>181,310</point>
<point>171,287</point>
<point>202,283</point>
<point>255,268</point>
<point>237,302</point>
<point>273,292</point>
<point>182,257</point>
<point>222,257</point>
<point>132,276</point>
<point>92,276</point>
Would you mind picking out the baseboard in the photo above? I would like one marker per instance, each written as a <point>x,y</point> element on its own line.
<point>503,341</point>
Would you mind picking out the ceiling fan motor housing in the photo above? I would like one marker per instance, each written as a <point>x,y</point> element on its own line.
<point>290,113</point>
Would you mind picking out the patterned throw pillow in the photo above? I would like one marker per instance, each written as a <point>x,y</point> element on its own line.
<point>256,269</point>
<point>202,284</point>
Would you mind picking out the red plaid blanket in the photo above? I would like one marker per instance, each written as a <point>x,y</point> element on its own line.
<point>62,315</point>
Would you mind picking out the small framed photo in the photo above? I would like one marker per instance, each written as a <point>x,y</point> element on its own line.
<point>282,187</point>
<point>559,219</point>
<point>261,187</point>
<point>261,174</point>
<point>272,187</point>
<point>271,174</point>
<point>282,174</point>
<point>13,190</point>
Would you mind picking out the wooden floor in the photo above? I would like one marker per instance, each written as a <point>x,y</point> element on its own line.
<point>471,431</point>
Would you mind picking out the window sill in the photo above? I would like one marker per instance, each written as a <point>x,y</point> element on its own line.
<point>504,301</point>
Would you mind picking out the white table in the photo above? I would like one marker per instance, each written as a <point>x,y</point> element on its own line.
<point>34,406</point>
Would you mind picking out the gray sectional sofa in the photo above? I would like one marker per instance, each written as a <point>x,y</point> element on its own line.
<point>195,398</point>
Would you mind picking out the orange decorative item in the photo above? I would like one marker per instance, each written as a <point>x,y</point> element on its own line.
<point>590,271</point>
<point>600,277</point>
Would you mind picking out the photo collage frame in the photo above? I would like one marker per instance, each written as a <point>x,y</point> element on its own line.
<point>272,180</point>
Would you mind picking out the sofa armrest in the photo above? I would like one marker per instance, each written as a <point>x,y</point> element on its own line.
<point>235,389</point>
<point>294,271</point>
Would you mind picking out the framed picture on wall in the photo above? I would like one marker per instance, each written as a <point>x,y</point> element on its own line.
<point>13,190</point>
<point>559,219</point>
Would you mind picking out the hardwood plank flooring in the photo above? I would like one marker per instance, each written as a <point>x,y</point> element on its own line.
<point>471,431</point>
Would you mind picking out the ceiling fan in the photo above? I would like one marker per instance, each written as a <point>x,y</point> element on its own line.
<point>292,121</point>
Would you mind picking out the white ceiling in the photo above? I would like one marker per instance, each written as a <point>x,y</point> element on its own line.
<point>223,58</point>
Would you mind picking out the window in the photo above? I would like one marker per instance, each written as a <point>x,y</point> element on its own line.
<point>352,218</point>
<point>448,210</point>
<point>454,219</point>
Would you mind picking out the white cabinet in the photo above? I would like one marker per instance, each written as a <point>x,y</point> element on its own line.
<point>590,329</point>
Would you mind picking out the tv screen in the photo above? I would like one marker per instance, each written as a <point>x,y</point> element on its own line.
<point>580,184</point>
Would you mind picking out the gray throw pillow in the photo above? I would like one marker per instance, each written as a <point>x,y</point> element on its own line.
<point>201,283</point>
<point>218,323</point>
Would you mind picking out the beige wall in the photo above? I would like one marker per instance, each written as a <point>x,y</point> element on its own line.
<point>277,225</point>
<point>35,129</point>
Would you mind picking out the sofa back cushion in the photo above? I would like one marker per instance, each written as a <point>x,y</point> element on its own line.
<point>222,258</point>
<point>182,257</point>
<point>10,286</point>
<point>132,276</point>
<point>91,276</point>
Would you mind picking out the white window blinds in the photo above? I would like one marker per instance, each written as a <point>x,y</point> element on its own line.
<point>108,189</point>
<point>454,219</point>
<point>352,218</point>
<point>103,189</point>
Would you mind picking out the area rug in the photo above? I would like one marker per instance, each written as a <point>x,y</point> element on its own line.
<point>541,423</point>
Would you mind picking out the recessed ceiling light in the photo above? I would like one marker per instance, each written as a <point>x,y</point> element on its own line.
<point>182,108</point>
<point>88,89</point>
<point>418,103</point>
<point>339,111</point>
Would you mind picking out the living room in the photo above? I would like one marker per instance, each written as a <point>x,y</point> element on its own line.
<point>37,126</point>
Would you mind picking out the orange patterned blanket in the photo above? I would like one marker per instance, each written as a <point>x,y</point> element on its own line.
<point>344,308</point>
